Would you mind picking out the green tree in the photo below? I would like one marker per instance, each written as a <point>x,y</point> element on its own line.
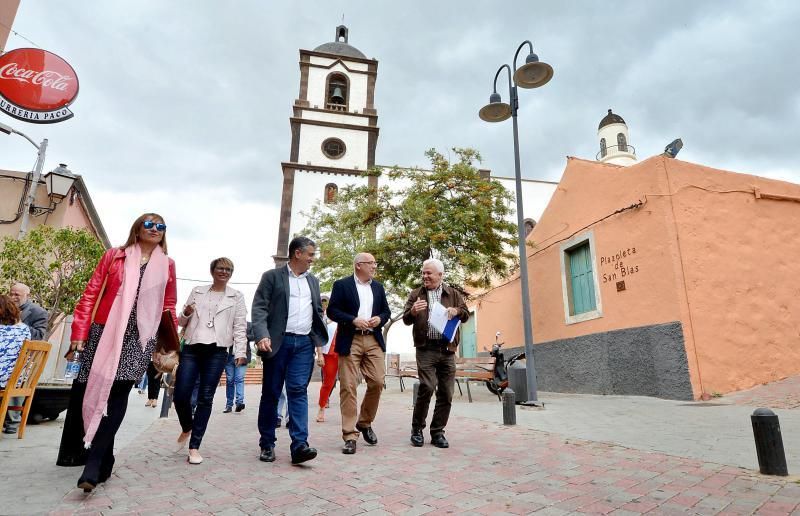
<point>55,263</point>
<point>448,212</point>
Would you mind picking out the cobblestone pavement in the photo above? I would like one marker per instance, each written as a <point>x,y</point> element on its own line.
<point>489,469</point>
<point>784,394</point>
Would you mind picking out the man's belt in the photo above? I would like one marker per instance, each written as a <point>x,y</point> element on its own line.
<point>287,334</point>
<point>363,332</point>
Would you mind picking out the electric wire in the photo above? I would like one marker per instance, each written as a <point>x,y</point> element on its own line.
<point>12,31</point>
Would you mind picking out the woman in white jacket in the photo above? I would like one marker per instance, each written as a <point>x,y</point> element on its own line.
<point>214,318</point>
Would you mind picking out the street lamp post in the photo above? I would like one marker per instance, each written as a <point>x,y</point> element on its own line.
<point>532,74</point>
<point>37,174</point>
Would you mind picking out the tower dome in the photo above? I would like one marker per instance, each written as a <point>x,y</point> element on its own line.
<point>339,45</point>
<point>615,145</point>
<point>610,118</point>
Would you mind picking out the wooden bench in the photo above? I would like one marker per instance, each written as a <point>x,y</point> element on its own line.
<point>396,369</point>
<point>479,369</point>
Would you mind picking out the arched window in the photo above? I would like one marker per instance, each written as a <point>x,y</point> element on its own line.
<point>603,149</point>
<point>330,193</point>
<point>336,92</point>
<point>622,145</point>
<point>529,225</point>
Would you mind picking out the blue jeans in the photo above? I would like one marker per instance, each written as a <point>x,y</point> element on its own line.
<point>142,385</point>
<point>234,382</point>
<point>292,365</point>
<point>203,362</point>
<point>282,406</point>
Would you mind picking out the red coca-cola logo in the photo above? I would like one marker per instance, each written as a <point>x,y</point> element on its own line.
<point>37,80</point>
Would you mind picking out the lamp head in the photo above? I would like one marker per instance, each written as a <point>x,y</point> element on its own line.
<point>496,110</point>
<point>533,73</point>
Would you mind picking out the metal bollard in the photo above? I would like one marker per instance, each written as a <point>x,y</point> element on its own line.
<point>166,399</point>
<point>769,443</point>
<point>414,396</point>
<point>509,407</point>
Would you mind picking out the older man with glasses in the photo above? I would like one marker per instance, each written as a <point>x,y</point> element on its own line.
<point>358,304</point>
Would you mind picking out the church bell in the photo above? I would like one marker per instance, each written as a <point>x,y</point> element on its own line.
<point>337,97</point>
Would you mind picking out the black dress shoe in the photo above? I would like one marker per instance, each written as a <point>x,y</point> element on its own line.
<point>267,455</point>
<point>86,484</point>
<point>239,407</point>
<point>303,454</point>
<point>369,435</point>
<point>439,441</point>
<point>349,447</point>
<point>416,438</point>
<point>227,410</point>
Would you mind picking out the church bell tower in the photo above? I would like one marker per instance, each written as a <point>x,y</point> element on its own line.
<point>334,131</point>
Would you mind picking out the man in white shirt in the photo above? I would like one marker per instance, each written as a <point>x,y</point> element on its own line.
<point>358,304</point>
<point>287,325</point>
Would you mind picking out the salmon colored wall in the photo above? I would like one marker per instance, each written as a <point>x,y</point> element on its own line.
<point>64,215</point>
<point>8,11</point>
<point>723,264</point>
<point>740,257</point>
<point>500,310</point>
<point>588,192</point>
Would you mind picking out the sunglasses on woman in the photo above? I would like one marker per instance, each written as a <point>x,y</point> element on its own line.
<point>149,224</point>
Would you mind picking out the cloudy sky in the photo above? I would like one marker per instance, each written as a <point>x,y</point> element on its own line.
<point>184,105</point>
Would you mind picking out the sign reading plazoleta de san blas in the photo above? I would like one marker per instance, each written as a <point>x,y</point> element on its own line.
<point>36,86</point>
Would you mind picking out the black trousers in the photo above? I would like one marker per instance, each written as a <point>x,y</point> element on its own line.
<point>153,383</point>
<point>436,368</point>
<point>99,459</point>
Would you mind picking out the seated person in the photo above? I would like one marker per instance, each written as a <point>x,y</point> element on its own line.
<point>12,334</point>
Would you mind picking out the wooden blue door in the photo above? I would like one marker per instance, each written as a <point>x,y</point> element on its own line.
<point>581,280</point>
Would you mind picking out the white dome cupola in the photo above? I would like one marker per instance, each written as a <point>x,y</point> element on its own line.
<point>615,145</point>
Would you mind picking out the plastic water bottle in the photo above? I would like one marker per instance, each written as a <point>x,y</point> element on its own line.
<point>73,366</point>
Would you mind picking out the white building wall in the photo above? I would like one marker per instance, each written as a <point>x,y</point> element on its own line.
<point>309,187</point>
<point>614,155</point>
<point>326,61</point>
<point>333,116</point>
<point>310,151</point>
<point>317,78</point>
<point>535,196</point>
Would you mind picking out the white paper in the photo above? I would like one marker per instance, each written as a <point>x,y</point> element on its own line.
<point>438,317</point>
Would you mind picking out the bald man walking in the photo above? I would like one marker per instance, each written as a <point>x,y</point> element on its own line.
<point>358,304</point>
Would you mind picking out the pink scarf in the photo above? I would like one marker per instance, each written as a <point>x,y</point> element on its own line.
<point>148,314</point>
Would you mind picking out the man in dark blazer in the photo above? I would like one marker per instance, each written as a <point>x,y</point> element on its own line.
<point>358,304</point>
<point>287,325</point>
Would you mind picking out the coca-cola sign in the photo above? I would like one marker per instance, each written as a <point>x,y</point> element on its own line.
<point>36,86</point>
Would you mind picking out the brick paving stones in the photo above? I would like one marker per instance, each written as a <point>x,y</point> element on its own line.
<point>489,469</point>
<point>783,394</point>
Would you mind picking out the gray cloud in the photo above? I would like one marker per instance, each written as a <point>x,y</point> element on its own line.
<point>188,96</point>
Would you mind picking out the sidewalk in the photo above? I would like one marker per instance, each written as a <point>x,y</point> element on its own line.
<point>489,469</point>
<point>30,481</point>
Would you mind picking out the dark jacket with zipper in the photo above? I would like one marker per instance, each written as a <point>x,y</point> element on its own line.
<point>451,298</point>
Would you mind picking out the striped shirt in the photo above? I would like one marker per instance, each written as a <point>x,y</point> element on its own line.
<point>434,296</point>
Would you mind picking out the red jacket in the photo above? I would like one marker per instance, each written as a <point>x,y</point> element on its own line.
<point>112,265</point>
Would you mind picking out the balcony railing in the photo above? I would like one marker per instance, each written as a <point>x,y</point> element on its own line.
<point>627,148</point>
<point>335,107</point>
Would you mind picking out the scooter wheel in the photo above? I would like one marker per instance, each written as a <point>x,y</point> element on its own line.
<point>494,389</point>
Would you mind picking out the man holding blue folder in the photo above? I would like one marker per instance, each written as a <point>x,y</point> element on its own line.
<point>436,363</point>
